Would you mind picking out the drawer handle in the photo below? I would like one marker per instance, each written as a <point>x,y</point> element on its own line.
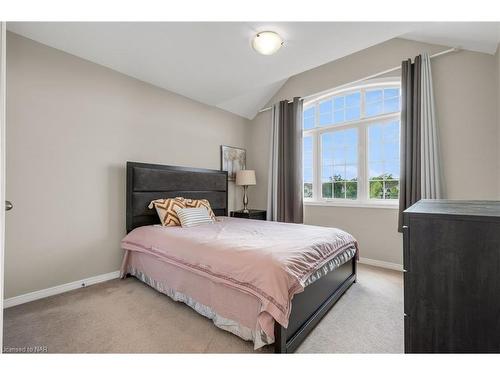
<point>405,226</point>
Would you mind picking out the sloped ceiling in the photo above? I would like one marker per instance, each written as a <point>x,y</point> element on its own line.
<point>474,36</point>
<point>214,63</point>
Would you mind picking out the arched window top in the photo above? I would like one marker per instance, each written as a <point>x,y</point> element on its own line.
<point>351,104</point>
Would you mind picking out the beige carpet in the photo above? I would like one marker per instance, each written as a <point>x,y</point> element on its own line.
<point>127,316</point>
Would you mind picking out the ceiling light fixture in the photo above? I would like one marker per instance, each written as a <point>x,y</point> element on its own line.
<point>267,42</point>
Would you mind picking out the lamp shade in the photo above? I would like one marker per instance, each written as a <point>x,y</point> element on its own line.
<point>245,177</point>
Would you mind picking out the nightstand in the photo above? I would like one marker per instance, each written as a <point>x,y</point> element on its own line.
<point>251,214</point>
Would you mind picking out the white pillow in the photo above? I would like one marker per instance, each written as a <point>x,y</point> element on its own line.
<point>191,217</point>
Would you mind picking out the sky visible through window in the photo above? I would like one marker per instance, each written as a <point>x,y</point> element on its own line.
<point>383,160</point>
<point>383,149</point>
<point>308,159</point>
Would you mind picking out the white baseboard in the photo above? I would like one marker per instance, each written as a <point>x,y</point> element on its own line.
<point>379,263</point>
<point>28,297</point>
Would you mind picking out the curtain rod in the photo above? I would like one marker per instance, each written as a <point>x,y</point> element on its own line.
<point>454,49</point>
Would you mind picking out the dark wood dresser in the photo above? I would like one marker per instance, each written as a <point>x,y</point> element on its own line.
<point>452,277</point>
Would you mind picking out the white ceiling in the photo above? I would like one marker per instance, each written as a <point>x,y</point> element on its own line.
<point>473,36</point>
<point>214,63</point>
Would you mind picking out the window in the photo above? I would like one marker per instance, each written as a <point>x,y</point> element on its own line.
<point>383,160</point>
<point>339,168</point>
<point>351,145</point>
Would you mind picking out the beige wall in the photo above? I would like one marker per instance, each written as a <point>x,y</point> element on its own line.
<point>71,126</point>
<point>466,101</point>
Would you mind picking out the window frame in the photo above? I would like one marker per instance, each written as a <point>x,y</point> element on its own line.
<point>363,199</point>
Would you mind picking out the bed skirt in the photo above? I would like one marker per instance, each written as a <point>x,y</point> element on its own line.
<point>259,338</point>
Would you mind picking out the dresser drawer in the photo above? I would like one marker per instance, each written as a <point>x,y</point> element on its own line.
<point>408,292</point>
<point>406,247</point>
<point>407,333</point>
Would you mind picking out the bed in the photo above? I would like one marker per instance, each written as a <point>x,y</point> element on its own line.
<point>239,302</point>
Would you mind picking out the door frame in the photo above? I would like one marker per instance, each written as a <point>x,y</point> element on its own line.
<point>3,84</point>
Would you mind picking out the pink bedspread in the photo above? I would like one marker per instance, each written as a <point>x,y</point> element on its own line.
<point>269,260</point>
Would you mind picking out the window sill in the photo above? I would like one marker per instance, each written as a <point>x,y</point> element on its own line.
<point>383,205</point>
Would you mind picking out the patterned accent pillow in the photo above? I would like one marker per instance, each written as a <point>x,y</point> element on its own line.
<point>196,203</point>
<point>191,217</point>
<point>165,208</point>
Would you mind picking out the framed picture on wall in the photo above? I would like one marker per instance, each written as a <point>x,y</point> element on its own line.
<point>232,160</point>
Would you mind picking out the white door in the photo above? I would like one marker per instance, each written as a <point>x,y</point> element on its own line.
<point>2,169</point>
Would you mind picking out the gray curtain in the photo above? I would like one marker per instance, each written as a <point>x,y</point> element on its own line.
<point>410,174</point>
<point>431,177</point>
<point>421,176</point>
<point>285,191</point>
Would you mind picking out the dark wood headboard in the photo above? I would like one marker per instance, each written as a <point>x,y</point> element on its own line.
<point>147,182</point>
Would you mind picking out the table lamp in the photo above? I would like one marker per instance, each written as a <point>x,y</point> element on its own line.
<point>245,178</point>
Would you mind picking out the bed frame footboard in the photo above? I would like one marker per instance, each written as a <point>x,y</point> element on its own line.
<point>309,307</point>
